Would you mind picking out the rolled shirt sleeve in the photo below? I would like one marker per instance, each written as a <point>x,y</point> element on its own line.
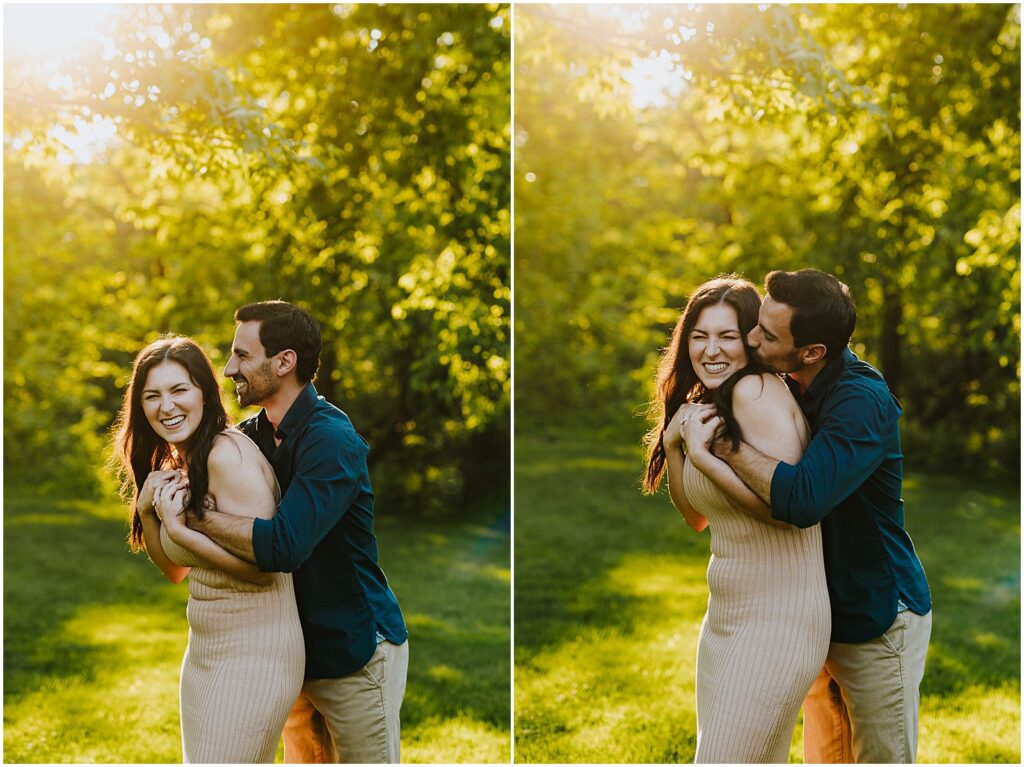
<point>330,467</point>
<point>849,445</point>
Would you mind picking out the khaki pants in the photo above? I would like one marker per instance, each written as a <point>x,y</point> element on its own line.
<point>353,719</point>
<point>863,706</point>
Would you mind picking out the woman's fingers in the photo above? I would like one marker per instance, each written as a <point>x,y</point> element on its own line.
<point>708,415</point>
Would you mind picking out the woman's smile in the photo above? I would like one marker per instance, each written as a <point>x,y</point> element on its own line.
<point>172,402</point>
<point>716,345</point>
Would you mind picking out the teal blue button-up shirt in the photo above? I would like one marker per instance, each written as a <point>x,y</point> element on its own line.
<point>850,479</point>
<point>323,534</point>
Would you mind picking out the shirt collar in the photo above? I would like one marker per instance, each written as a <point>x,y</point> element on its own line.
<point>296,414</point>
<point>828,375</point>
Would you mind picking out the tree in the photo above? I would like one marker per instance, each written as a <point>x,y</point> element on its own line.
<point>352,159</point>
<point>880,143</point>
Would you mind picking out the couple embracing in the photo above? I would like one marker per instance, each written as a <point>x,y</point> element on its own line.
<point>776,436</point>
<point>292,625</point>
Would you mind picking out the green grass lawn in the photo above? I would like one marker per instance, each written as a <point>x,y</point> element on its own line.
<point>610,590</point>
<point>93,637</point>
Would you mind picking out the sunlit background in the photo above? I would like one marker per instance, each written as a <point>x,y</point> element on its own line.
<point>48,31</point>
<point>658,146</point>
<point>167,163</point>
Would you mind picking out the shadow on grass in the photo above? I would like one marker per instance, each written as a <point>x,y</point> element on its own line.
<point>579,515</point>
<point>969,541</point>
<point>81,616</point>
<point>592,558</point>
<point>60,557</point>
<point>454,587</point>
<point>93,638</point>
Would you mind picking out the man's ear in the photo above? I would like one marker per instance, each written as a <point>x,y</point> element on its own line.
<point>813,353</point>
<point>284,362</point>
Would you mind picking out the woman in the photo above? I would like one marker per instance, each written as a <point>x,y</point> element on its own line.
<point>244,664</point>
<point>765,635</point>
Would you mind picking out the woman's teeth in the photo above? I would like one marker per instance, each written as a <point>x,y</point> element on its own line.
<point>715,367</point>
<point>172,422</point>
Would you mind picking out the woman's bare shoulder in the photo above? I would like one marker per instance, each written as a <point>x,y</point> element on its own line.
<point>232,449</point>
<point>236,467</point>
<point>769,416</point>
<point>763,389</point>
<point>763,399</point>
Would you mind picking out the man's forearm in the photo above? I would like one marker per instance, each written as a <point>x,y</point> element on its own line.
<point>752,466</point>
<point>231,531</point>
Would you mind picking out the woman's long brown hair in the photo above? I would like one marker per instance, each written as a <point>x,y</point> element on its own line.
<point>138,449</point>
<point>677,381</point>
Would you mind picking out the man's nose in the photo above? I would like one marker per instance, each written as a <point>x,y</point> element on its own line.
<point>230,369</point>
<point>752,338</point>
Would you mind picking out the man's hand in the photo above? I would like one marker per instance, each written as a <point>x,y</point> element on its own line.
<point>199,524</point>
<point>673,438</point>
<point>720,444</point>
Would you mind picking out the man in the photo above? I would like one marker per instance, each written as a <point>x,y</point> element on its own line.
<point>356,649</point>
<point>864,705</point>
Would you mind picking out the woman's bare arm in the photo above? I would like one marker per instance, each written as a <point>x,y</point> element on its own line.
<point>237,482</point>
<point>213,556</point>
<point>675,461</point>
<point>764,410</point>
<point>231,505</point>
<point>174,572</point>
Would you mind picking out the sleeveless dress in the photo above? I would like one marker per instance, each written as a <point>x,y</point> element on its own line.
<point>766,632</point>
<point>244,665</point>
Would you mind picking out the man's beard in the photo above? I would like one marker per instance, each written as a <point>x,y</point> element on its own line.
<point>788,363</point>
<point>258,387</point>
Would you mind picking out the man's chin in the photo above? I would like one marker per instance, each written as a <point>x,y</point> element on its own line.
<point>769,364</point>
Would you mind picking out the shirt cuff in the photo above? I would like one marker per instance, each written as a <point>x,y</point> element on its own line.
<point>261,544</point>
<point>782,490</point>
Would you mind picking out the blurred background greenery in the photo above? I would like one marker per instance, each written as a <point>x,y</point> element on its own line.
<point>658,146</point>
<point>353,159</point>
<point>165,164</point>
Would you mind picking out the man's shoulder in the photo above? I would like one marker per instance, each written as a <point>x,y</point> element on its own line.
<point>863,376</point>
<point>862,387</point>
<point>328,425</point>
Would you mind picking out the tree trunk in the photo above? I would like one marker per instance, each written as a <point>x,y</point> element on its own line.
<point>890,353</point>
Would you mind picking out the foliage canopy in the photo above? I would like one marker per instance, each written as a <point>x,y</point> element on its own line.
<point>880,143</point>
<point>353,159</point>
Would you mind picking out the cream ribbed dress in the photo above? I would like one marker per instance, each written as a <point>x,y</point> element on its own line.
<point>243,667</point>
<point>765,635</point>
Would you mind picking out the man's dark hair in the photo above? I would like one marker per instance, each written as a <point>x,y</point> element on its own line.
<point>286,326</point>
<point>823,309</point>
